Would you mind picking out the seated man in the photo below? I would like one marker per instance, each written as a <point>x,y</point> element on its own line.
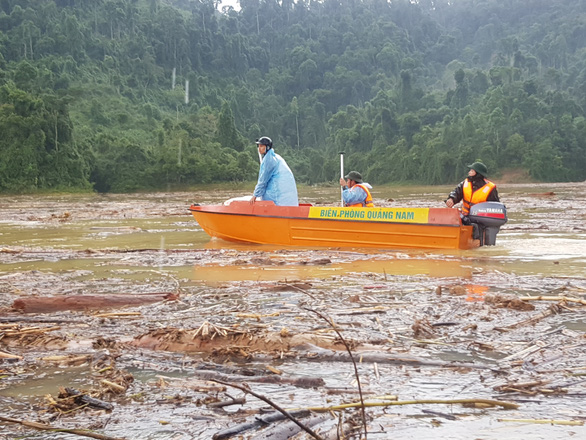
<point>474,189</point>
<point>356,192</point>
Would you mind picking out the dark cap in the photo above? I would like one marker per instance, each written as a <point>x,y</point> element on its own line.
<point>479,167</point>
<point>355,176</point>
<point>264,141</point>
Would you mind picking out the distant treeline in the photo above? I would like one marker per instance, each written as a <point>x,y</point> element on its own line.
<point>122,95</point>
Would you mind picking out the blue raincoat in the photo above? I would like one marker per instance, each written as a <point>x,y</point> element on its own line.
<point>276,181</point>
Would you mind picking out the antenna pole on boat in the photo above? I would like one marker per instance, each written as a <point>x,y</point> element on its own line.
<point>342,175</point>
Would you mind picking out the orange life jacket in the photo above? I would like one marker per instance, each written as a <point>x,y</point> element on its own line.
<point>367,202</point>
<point>473,197</point>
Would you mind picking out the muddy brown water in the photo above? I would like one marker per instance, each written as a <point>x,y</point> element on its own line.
<point>428,304</point>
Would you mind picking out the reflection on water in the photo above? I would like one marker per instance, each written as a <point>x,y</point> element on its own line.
<point>578,325</point>
<point>546,246</point>
<point>433,268</point>
<point>171,232</point>
<point>475,293</point>
<point>46,381</point>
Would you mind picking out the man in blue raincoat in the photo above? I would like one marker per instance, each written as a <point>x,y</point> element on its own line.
<point>275,179</point>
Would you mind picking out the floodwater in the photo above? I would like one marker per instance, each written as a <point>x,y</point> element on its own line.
<point>544,235</point>
<point>143,243</point>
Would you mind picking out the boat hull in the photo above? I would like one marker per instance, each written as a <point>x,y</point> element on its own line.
<point>309,226</point>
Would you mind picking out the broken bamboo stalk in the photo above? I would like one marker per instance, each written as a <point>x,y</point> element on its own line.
<point>4,355</point>
<point>118,315</point>
<point>66,358</point>
<point>13,320</point>
<point>545,421</point>
<point>553,298</point>
<point>43,427</point>
<point>47,304</point>
<point>539,345</point>
<point>257,316</point>
<point>113,386</point>
<point>274,370</point>
<point>551,310</point>
<point>490,402</point>
<point>30,331</point>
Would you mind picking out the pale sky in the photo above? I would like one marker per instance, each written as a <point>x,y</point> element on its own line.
<point>233,3</point>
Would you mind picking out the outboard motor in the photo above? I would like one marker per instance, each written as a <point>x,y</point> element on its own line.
<point>489,216</point>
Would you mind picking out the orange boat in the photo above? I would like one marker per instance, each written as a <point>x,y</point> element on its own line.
<point>312,226</point>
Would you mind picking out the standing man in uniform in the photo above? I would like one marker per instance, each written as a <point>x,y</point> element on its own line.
<point>275,179</point>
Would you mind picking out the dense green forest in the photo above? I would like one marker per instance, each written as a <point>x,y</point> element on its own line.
<point>122,95</point>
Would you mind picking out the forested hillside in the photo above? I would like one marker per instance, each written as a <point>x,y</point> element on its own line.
<point>121,95</point>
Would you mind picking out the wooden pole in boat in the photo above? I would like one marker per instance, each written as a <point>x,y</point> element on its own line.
<point>342,176</point>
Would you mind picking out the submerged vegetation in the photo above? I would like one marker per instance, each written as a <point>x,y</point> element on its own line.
<point>122,95</point>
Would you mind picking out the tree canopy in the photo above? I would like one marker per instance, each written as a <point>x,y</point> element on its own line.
<point>121,95</point>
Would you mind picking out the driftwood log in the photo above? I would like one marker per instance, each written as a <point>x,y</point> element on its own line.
<point>286,430</point>
<point>47,304</point>
<point>83,399</point>
<point>256,423</point>
<point>300,382</point>
<point>225,403</point>
<point>318,354</point>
